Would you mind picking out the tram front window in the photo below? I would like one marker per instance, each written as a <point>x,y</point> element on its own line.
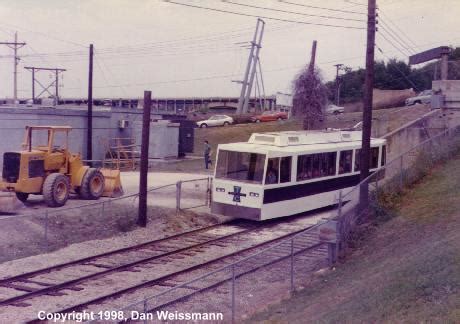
<point>240,166</point>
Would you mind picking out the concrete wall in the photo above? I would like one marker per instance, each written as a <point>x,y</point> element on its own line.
<point>105,126</point>
<point>14,120</point>
<point>414,132</point>
<point>164,139</point>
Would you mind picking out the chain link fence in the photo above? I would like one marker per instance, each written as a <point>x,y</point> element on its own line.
<point>236,289</point>
<point>375,196</point>
<point>35,229</point>
<point>193,193</point>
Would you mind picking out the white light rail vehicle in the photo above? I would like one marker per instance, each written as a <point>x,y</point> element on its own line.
<point>287,173</point>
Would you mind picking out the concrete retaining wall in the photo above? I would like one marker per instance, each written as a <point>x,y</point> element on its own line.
<point>105,126</point>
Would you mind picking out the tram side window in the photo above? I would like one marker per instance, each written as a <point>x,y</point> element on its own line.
<point>384,155</point>
<point>328,164</point>
<point>285,169</point>
<point>304,167</point>
<point>374,158</point>
<point>357,159</point>
<point>345,161</point>
<point>316,165</point>
<point>273,167</point>
<point>374,162</point>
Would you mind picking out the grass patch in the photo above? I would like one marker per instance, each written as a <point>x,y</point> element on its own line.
<point>408,270</point>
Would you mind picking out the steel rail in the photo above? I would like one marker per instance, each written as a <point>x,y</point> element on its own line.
<point>312,247</point>
<point>171,275</point>
<point>66,284</point>
<point>105,254</point>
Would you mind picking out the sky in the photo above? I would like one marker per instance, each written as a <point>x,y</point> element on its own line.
<point>182,51</point>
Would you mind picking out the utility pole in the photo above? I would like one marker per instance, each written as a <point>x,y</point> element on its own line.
<point>89,137</point>
<point>35,69</point>
<point>337,86</point>
<point>444,66</point>
<point>15,46</point>
<point>367,103</point>
<point>311,67</point>
<point>142,210</point>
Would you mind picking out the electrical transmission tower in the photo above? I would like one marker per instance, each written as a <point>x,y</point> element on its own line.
<point>246,84</point>
<point>55,82</point>
<point>15,46</point>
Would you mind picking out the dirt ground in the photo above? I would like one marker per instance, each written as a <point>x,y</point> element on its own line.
<point>37,229</point>
<point>406,270</point>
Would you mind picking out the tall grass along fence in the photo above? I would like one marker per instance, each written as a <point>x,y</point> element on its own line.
<point>236,285</point>
<point>374,197</point>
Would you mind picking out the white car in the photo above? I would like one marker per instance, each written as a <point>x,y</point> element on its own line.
<point>216,120</point>
<point>423,97</point>
<point>333,109</point>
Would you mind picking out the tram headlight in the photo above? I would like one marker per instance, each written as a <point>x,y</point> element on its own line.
<point>220,189</point>
<point>253,194</point>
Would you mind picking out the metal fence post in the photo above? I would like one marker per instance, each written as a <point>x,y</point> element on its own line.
<point>292,265</point>
<point>339,209</point>
<point>145,311</point>
<point>210,191</point>
<point>178,195</point>
<point>46,231</point>
<point>102,209</point>
<point>401,180</point>
<point>233,294</point>
<point>377,186</point>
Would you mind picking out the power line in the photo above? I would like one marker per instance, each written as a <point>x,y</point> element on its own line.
<point>165,82</point>
<point>260,16</point>
<point>396,36</point>
<point>403,46</point>
<point>401,72</point>
<point>290,12</point>
<point>399,29</point>
<point>323,8</point>
<point>392,44</point>
<point>45,35</point>
<point>96,59</point>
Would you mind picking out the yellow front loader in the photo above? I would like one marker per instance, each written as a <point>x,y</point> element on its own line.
<point>45,167</point>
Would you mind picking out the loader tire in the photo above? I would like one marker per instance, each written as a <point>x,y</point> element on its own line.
<point>56,190</point>
<point>22,196</point>
<point>92,185</point>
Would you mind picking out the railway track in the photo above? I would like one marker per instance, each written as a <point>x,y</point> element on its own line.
<point>198,250</point>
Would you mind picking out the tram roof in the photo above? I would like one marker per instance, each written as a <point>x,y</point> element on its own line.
<point>300,141</point>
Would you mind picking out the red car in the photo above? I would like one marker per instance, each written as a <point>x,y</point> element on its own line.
<point>270,116</point>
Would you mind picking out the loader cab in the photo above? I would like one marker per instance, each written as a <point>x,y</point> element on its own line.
<point>53,141</point>
<point>47,138</point>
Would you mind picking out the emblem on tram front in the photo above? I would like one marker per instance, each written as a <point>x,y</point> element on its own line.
<point>237,194</point>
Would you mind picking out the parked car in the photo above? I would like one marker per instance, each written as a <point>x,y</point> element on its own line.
<point>423,97</point>
<point>333,109</point>
<point>216,120</point>
<point>267,116</point>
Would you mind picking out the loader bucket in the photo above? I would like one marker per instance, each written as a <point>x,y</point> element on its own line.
<point>9,204</point>
<point>112,187</point>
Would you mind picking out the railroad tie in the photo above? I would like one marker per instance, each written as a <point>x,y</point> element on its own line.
<point>20,304</point>
<point>98,265</point>
<point>19,287</point>
<point>37,282</point>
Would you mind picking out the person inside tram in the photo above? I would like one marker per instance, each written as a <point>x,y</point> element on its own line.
<point>271,176</point>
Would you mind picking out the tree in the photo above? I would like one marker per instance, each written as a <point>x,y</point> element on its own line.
<point>309,98</point>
